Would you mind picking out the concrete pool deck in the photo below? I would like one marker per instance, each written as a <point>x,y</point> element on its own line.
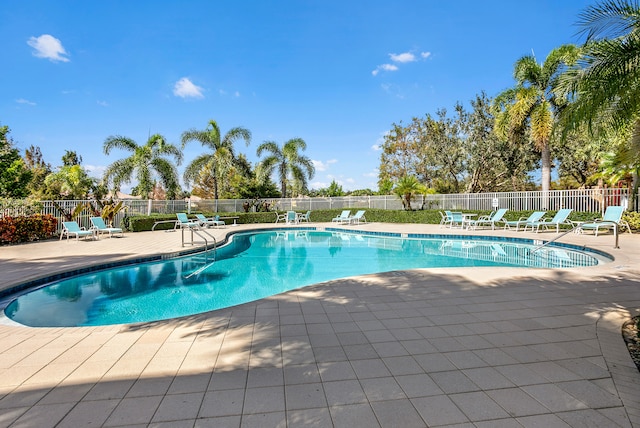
<point>472,347</point>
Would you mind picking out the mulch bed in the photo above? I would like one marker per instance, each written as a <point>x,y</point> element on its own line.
<point>630,334</point>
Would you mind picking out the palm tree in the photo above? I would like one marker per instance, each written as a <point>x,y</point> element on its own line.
<point>286,161</point>
<point>532,105</point>
<point>222,155</point>
<point>144,161</point>
<point>605,83</point>
<point>406,188</point>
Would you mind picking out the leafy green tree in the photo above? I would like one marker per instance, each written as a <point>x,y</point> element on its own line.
<point>334,189</point>
<point>216,164</point>
<point>605,84</point>
<point>443,141</point>
<point>492,164</point>
<point>407,188</point>
<point>403,154</point>
<point>579,156</point>
<point>14,174</point>
<point>34,161</point>
<point>69,182</point>
<point>71,158</point>
<point>285,161</point>
<point>532,105</point>
<point>144,161</point>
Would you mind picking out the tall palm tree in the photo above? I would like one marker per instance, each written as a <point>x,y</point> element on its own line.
<point>532,105</point>
<point>144,161</point>
<point>605,83</point>
<point>222,154</point>
<point>286,161</point>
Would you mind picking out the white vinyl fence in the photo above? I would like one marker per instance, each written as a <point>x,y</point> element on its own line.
<point>588,200</point>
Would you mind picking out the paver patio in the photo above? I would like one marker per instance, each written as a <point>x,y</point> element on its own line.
<point>469,347</point>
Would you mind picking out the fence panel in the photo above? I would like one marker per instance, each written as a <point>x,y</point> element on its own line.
<point>587,200</point>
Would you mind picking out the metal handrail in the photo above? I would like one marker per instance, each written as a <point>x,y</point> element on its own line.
<point>577,225</point>
<point>197,230</point>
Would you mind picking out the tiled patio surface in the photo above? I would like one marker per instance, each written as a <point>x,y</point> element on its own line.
<point>472,347</point>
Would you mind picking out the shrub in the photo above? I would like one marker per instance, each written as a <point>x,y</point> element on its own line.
<point>27,228</point>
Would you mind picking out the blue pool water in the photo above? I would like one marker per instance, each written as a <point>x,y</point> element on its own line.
<point>256,265</point>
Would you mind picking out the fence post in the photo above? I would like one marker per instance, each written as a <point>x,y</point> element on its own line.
<point>149,207</point>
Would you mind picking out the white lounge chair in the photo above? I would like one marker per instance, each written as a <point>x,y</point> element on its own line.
<point>445,218</point>
<point>523,221</point>
<point>343,217</point>
<point>612,217</point>
<point>72,228</point>
<point>357,218</point>
<point>100,227</point>
<point>215,221</point>
<point>561,218</point>
<point>304,217</point>
<point>490,220</point>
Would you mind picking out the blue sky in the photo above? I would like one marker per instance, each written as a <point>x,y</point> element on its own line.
<point>336,73</point>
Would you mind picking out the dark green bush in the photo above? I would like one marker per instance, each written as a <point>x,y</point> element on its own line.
<point>143,223</point>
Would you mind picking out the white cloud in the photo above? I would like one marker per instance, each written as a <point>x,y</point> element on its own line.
<point>185,88</point>
<point>403,57</point>
<point>376,147</point>
<point>103,103</point>
<point>323,166</point>
<point>47,46</point>
<point>26,102</point>
<point>236,94</point>
<point>384,67</point>
<point>425,55</point>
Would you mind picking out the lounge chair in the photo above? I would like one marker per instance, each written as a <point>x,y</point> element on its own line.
<point>215,221</point>
<point>523,221</point>
<point>612,217</point>
<point>559,219</point>
<point>304,217</point>
<point>457,219</point>
<point>292,217</point>
<point>100,227</point>
<point>491,220</point>
<point>343,217</point>
<point>184,222</point>
<point>357,218</point>
<point>70,228</point>
<point>445,218</point>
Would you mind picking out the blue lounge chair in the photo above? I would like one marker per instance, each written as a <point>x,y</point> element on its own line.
<point>445,218</point>
<point>100,227</point>
<point>490,220</point>
<point>561,218</point>
<point>215,221</point>
<point>184,222</point>
<point>612,216</point>
<point>304,217</point>
<point>292,217</point>
<point>457,219</point>
<point>343,217</point>
<point>523,221</point>
<point>71,228</point>
<point>357,218</point>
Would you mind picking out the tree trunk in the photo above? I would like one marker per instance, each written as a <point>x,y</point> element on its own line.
<point>546,175</point>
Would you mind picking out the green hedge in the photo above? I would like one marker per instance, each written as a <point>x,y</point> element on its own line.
<point>144,223</point>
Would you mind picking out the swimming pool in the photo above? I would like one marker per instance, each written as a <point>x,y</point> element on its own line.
<point>254,265</point>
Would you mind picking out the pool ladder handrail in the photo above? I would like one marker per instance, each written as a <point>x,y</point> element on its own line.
<point>197,231</point>
<point>576,226</point>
